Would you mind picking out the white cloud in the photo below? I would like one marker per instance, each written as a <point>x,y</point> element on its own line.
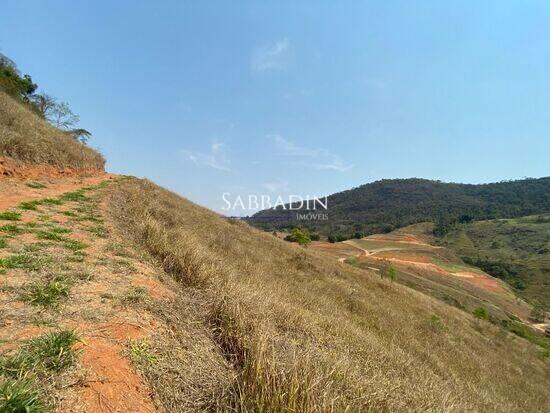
<point>279,186</point>
<point>271,57</point>
<point>216,158</point>
<point>316,158</point>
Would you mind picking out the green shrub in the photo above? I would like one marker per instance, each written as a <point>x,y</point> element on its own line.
<point>481,313</point>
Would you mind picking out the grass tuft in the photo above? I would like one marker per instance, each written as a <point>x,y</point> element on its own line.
<point>10,216</point>
<point>11,229</point>
<point>76,196</point>
<point>140,352</point>
<point>29,205</point>
<point>25,261</point>
<point>19,396</point>
<point>36,185</point>
<point>47,294</point>
<point>134,295</point>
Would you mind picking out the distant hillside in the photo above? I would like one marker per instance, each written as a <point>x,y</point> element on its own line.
<point>514,250</point>
<point>385,205</point>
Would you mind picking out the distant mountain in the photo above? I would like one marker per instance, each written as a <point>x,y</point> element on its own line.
<point>388,204</point>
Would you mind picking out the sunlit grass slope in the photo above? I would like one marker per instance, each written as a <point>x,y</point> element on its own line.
<point>26,137</point>
<point>302,332</point>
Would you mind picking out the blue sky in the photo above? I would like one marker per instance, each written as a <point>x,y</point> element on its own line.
<point>309,97</point>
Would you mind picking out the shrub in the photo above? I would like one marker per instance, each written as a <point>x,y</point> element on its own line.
<point>481,313</point>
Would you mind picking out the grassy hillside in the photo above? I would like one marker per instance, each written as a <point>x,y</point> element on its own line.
<point>388,204</point>
<point>26,137</point>
<point>302,332</point>
<point>515,250</point>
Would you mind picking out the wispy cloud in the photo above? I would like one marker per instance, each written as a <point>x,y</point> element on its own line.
<point>279,186</point>
<point>316,158</point>
<point>273,57</point>
<point>216,157</point>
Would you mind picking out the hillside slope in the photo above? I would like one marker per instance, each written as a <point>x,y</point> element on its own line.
<point>515,250</point>
<point>392,203</point>
<point>27,138</point>
<point>290,321</point>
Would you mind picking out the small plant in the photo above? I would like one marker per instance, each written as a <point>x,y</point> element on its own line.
<point>50,235</point>
<point>133,295</point>
<point>99,231</point>
<point>53,351</point>
<point>49,352</point>
<point>3,243</point>
<point>11,229</point>
<point>436,324</point>
<point>51,201</point>
<point>29,205</point>
<point>352,261</point>
<point>47,294</point>
<point>69,214</point>
<point>36,185</point>
<point>74,245</point>
<point>10,216</point>
<point>481,313</point>
<point>19,396</point>
<point>388,271</point>
<point>25,261</point>
<point>117,249</point>
<point>77,196</point>
<point>140,352</point>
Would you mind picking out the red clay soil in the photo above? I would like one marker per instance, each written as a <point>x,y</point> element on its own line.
<point>14,169</point>
<point>113,385</point>
<point>406,238</point>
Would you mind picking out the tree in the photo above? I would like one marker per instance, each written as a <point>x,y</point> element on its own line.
<point>82,135</point>
<point>44,104</point>
<point>301,236</point>
<point>388,271</point>
<point>62,116</point>
<point>12,82</point>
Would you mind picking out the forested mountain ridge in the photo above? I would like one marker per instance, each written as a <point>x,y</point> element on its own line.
<point>387,204</point>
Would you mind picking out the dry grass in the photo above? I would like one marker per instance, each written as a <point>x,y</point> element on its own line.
<point>26,137</point>
<point>301,332</point>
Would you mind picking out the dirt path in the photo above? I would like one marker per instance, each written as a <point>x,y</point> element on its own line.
<point>478,279</point>
<point>13,191</point>
<point>64,269</point>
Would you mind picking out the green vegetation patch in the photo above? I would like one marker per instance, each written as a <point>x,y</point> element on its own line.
<point>50,352</point>
<point>481,313</point>
<point>29,262</point>
<point>10,216</point>
<point>29,205</point>
<point>47,294</point>
<point>36,185</point>
<point>19,396</point>
<point>11,229</point>
<point>140,352</point>
<point>77,196</point>
<point>3,243</point>
<point>74,245</point>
